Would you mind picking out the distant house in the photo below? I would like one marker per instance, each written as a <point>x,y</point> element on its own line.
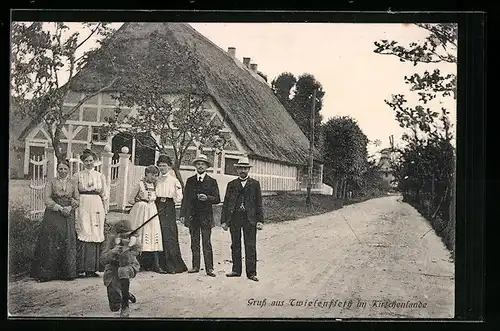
<point>385,166</point>
<point>255,123</point>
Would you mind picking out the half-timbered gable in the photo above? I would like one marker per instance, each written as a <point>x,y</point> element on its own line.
<point>255,122</point>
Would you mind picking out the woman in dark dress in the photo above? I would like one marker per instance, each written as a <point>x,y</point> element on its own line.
<point>55,251</point>
<point>168,193</point>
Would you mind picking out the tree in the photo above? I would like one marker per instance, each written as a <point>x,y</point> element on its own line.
<point>439,46</point>
<point>426,164</point>
<point>345,154</point>
<point>178,122</point>
<point>41,54</point>
<point>372,184</point>
<point>296,96</point>
<point>282,87</point>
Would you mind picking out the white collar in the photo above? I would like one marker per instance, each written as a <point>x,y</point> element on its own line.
<point>243,180</point>
<point>201,175</point>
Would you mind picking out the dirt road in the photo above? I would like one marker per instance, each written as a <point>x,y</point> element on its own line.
<point>364,260</point>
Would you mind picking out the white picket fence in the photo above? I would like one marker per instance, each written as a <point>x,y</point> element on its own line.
<point>37,184</point>
<point>39,180</point>
<point>113,183</point>
<point>76,165</point>
<point>119,186</point>
<point>121,177</point>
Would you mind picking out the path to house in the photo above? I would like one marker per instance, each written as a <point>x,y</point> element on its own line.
<point>377,256</point>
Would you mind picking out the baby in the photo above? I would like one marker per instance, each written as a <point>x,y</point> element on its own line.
<point>121,265</point>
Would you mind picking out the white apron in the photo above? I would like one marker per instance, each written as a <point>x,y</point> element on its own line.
<point>90,215</point>
<point>149,234</point>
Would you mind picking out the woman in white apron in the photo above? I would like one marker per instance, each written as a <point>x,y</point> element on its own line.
<point>143,198</point>
<point>92,193</point>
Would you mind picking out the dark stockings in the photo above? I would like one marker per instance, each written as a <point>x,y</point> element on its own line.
<point>125,285</point>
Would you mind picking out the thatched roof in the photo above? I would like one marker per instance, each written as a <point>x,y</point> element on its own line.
<point>256,116</point>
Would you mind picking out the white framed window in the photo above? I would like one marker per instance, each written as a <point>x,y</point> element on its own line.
<point>98,134</point>
<point>229,163</point>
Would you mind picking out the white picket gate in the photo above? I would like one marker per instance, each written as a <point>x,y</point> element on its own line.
<point>113,183</point>
<point>121,177</point>
<point>76,164</point>
<point>38,182</point>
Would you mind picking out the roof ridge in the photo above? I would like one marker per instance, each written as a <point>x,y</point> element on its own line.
<point>249,105</point>
<point>242,66</point>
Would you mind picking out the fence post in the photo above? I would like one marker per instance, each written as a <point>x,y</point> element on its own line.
<point>121,189</point>
<point>106,168</point>
<point>51,163</point>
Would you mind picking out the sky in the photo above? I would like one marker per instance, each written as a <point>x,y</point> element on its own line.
<point>340,56</point>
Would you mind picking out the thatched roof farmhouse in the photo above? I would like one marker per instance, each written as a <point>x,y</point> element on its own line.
<point>258,122</point>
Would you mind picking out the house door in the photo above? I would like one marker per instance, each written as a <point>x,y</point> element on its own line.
<point>119,141</point>
<point>145,150</point>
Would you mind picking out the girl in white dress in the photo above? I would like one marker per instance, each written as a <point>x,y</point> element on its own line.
<point>143,198</point>
<point>92,193</point>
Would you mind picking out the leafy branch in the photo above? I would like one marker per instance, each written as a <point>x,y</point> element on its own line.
<point>41,54</point>
<point>177,120</point>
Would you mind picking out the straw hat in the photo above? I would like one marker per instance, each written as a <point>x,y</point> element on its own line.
<point>243,162</point>
<point>202,158</point>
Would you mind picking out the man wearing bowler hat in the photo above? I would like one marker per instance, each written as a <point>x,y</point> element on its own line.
<point>242,209</point>
<point>200,193</point>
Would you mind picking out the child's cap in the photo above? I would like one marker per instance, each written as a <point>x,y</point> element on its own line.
<point>122,226</point>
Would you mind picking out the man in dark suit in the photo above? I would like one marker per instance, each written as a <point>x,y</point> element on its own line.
<point>242,209</point>
<point>200,193</point>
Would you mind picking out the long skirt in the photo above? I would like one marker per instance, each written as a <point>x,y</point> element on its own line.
<point>171,259</point>
<point>88,256</point>
<point>149,234</point>
<point>55,251</point>
<point>90,233</point>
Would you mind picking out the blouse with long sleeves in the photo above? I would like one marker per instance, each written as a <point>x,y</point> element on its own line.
<point>59,193</point>
<point>142,191</point>
<point>91,181</point>
<point>168,186</point>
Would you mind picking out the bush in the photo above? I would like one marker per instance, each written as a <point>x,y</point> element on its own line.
<point>23,235</point>
<point>288,206</point>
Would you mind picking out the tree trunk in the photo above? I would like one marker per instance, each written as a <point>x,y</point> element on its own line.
<point>56,143</point>
<point>341,189</point>
<point>338,186</point>
<point>345,189</point>
<point>178,175</point>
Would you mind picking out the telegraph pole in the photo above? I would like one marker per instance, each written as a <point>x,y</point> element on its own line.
<point>311,148</point>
